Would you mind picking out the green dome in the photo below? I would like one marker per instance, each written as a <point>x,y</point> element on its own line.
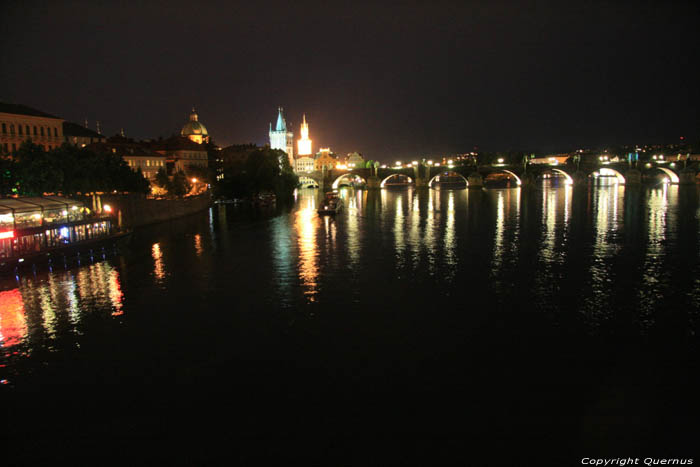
<point>194,127</point>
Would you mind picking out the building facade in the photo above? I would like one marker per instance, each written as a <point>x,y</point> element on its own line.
<point>355,159</point>
<point>282,139</point>
<point>304,164</point>
<point>324,160</point>
<point>80,136</point>
<point>137,156</point>
<point>304,143</point>
<point>19,123</point>
<point>182,153</point>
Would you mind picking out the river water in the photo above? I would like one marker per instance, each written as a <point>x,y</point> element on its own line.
<point>561,319</point>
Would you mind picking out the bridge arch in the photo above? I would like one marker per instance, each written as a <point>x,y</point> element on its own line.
<point>308,182</point>
<point>569,180</point>
<point>381,185</point>
<point>430,183</point>
<point>671,174</point>
<point>606,172</point>
<point>518,181</point>
<point>349,174</point>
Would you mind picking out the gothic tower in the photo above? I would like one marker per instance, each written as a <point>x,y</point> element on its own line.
<point>282,139</point>
<point>304,141</point>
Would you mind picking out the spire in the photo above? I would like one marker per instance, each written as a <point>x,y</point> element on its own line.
<point>193,115</point>
<point>98,128</point>
<point>86,123</point>
<point>304,122</point>
<point>281,124</point>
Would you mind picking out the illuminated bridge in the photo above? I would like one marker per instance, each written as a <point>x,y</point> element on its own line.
<point>503,175</point>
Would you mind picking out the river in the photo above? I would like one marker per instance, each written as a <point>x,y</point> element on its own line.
<point>561,319</point>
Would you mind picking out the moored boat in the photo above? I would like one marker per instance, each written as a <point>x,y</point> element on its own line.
<point>43,230</point>
<point>332,204</point>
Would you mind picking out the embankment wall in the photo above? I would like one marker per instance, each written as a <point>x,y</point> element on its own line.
<point>137,211</point>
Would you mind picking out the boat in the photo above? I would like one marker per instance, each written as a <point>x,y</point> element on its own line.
<point>332,204</point>
<point>48,230</point>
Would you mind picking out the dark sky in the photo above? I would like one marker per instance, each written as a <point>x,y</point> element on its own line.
<point>393,81</point>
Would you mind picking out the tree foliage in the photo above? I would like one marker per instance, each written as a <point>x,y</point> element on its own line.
<point>255,171</point>
<point>68,170</point>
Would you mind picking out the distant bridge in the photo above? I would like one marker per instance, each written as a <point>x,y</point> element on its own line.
<point>424,175</point>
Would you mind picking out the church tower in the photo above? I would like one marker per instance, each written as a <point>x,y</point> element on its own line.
<point>304,141</point>
<point>282,139</point>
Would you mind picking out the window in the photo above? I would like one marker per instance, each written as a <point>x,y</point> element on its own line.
<point>12,129</point>
<point>14,147</point>
<point>19,129</point>
<point>27,128</point>
<point>42,130</point>
<point>55,132</point>
<point>4,128</point>
<point>35,131</point>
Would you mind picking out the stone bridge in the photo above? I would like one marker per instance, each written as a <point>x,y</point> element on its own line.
<point>424,175</point>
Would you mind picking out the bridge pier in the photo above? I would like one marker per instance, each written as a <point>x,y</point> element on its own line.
<point>580,178</point>
<point>687,176</point>
<point>633,177</point>
<point>528,180</point>
<point>374,183</point>
<point>422,182</point>
<point>475,180</point>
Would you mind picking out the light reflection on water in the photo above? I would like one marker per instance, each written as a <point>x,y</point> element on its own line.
<point>452,245</point>
<point>52,306</point>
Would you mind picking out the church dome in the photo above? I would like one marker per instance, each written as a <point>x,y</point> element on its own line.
<point>194,127</point>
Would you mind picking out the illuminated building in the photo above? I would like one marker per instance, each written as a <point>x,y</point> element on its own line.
<point>19,123</point>
<point>304,143</point>
<point>194,130</point>
<point>324,160</point>
<point>355,159</point>
<point>80,136</point>
<point>136,156</point>
<point>304,164</point>
<point>282,139</point>
<point>181,153</point>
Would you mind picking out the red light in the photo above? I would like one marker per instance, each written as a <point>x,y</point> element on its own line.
<point>8,234</point>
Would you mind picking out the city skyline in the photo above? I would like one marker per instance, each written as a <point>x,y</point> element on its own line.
<point>388,82</point>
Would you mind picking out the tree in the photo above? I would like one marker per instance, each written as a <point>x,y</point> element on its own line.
<point>180,184</point>
<point>251,171</point>
<point>37,172</point>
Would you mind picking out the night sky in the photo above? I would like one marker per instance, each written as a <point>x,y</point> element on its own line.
<point>396,81</point>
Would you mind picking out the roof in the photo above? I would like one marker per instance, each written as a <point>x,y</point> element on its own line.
<point>36,204</point>
<point>20,109</point>
<point>73,129</point>
<point>124,148</point>
<point>281,124</point>
<point>177,143</point>
<point>194,127</point>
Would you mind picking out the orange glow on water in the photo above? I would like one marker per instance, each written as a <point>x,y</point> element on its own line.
<point>13,323</point>
<point>157,254</point>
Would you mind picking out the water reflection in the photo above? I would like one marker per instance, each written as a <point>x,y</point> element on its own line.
<point>198,244</point>
<point>450,238</point>
<point>507,232</point>
<point>655,270</point>
<point>305,224</point>
<point>158,269</point>
<point>44,308</point>
<point>13,324</point>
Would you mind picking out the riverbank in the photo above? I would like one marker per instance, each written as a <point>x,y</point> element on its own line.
<point>138,211</point>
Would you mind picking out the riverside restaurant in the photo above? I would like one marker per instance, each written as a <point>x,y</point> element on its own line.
<point>30,226</point>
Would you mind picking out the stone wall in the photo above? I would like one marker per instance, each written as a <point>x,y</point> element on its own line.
<point>137,210</point>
